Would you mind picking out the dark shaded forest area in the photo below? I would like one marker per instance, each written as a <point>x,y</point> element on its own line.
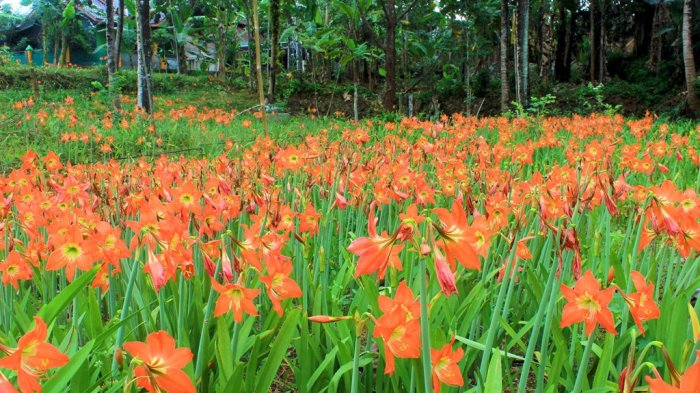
<point>406,56</point>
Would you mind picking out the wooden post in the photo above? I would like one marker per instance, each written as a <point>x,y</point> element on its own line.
<point>29,51</point>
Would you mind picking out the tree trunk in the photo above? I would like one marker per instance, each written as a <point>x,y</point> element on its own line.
<point>182,59</point>
<point>594,37</point>
<point>390,56</point>
<point>44,45</point>
<point>504,55</point>
<point>560,71</point>
<point>221,44</point>
<point>111,54</point>
<point>601,41</point>
<point>251,51</point>
<point>144,95</point>
<point>570,41</point>
<point>119,35</point>
<point>688,59</point>
<point>274,47</point>
<point>56,48</point>
<point>64,49</point>
<point>258,64</point>
<point>524,49</point>
<point>546,36</point>
<point>515,31</point>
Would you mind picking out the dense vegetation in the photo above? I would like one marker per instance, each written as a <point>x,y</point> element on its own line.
<point>483,57</point>
<point>524,253</point>
<point>364,196</point>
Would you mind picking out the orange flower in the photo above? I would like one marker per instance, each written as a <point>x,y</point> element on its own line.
<point>15,268</point>
<point>445,367</point>
<point>689,382</point>
<point>32,358</point>
<point>641,303</point>
<point>71,251</point>
<point>375,252</point>
<point>6,386</point>
<point>403,300</point>
<point>328,318</point>
<point>445,276</point>
<point>401,337</point>
<point>309,219</point>
<point>236,298</point>
<point>159,364</point>
<point>454,236</point>
<point>279,285</point>
<point>399,327</point>
<point>588,303</point>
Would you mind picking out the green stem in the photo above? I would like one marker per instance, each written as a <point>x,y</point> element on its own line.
<point>208,311</point>
<point>522,385</point>
<point>581,375</point>
<point>491,336</point>
<point>425,328</point>
<point>125,309</point>
<point>356,366</point>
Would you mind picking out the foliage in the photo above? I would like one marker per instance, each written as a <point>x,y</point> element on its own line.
<point>491,239</point>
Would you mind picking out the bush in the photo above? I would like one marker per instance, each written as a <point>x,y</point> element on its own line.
<point>14,76</point>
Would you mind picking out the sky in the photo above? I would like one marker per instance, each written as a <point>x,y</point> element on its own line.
<point>16,6</point>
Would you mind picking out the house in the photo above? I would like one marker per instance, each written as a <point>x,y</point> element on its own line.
<point>199,55</point>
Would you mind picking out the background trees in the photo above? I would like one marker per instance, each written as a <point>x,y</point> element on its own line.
<point>417,56</point>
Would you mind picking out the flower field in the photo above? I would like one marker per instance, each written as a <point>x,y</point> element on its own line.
<point>488,255</point>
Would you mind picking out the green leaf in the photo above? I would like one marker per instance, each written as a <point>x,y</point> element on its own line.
<point>494,377</point>
<point>480,347</point>
<point>277,352</point>
<point>382,72</point>
<point>68,13</point>
<point>63,376</point>
<point>50,311</point>
<point>603,368</point>
<point>321,368</point>
<point>333,386</point>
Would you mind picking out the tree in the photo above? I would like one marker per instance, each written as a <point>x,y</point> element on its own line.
<point>688,59</point>
<point>274,47</point>
<point>111,54</point>
<point>119,34</point>
<point>258,63</point>
<point>144,95</point>
<point>504,55</point>
<point>523,25</point>
<point>391,16</point>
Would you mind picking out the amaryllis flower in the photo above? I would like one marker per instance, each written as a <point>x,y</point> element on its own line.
<point>32,358</point>
<point>445,367</point>
<point>377,251</point>
<point>445,276</point>
<point>160,363</point>
<point>236,298</point>
<point>72,251</point>
<point>6,386</point>
<point>159,269</point>
<point>403,300</point>
<point>641,303</point>
<point>401,337</point>
<point>588,304</point>
<point>455,236</point>
<point>279,285</point>
<point>689,382</point>
<point>15,268</point>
